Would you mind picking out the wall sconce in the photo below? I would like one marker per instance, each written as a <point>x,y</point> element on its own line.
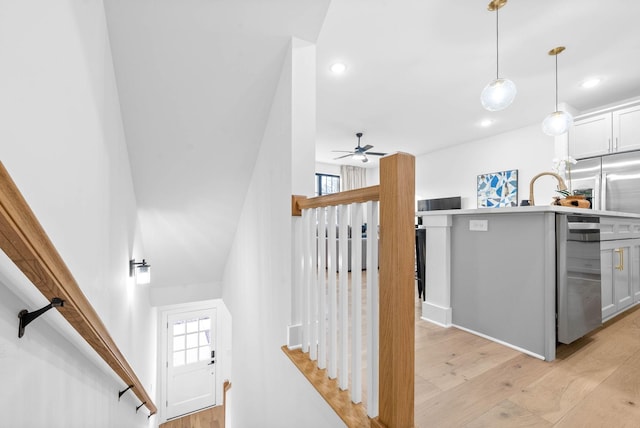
<point>143,274</point>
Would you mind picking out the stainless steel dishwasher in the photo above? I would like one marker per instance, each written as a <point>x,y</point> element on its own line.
<point>578,276</point>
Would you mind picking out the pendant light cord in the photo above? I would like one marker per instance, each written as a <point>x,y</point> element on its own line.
<point>497,47</point>
<point>556,55</point>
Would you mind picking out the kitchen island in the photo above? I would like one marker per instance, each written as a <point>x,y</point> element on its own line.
<point>493,271</point>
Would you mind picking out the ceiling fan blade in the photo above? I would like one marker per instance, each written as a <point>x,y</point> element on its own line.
<point>342,151</point>
<point>340,157</point>
<point>367,147</point>
<point>376,153</point>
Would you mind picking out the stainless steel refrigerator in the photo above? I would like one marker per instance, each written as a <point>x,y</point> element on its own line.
<point>611,182</point>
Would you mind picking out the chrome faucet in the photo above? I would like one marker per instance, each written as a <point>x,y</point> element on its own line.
<point>561,184</point>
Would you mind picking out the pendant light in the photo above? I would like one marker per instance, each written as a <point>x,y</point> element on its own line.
<point>498,94</point>
<point>558,122</point>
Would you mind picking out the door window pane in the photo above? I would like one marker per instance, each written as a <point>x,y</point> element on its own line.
<point>192,326</point>
<point>205,324</point>
<point>192,340</point>
<point>192,355</point>
<point>178,343</point>
<point>178,328</point>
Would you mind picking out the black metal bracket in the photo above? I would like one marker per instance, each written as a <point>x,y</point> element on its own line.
<point>150,414</point>
<point>120,393</point>
<point>26,317</point>
<point>138,408</point>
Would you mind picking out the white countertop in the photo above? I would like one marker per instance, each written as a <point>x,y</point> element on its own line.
<point>529,209</point>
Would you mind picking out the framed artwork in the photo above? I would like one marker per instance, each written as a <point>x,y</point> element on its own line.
<point>498,189</point>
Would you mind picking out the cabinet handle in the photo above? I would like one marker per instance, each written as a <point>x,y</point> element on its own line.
<point>620,252</point>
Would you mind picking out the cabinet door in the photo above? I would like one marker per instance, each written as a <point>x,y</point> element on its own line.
<point>622,277</point>
<point>590,136</point>
<point>616,261</point>
<point>626,129</point>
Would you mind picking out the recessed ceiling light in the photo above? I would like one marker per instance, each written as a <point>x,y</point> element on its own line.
<point>486,122</point>
<point>590,83</point>
<point>338,68</point>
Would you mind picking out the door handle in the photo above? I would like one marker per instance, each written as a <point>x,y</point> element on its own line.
<point>620,252</point>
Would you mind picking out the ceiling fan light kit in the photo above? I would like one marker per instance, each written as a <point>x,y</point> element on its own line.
<point>359,153</point>
<point>558,122</point>
<point>500,93</point>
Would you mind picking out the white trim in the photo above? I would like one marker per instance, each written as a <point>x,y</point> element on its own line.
<point>294,336</point>
<point>436,314</point>
<point>508,345</point>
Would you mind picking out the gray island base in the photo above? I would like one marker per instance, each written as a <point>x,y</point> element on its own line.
<point>492,272</point>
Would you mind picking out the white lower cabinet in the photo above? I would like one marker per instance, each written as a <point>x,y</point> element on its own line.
<point>620,263</point>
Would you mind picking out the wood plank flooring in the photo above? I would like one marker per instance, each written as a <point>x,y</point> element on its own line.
<point>463,380</point>
<point>466,381</point>
<point>212,417</point>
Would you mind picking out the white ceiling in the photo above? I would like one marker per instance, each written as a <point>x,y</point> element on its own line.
<point>416,67</point>
<point>196,78</point>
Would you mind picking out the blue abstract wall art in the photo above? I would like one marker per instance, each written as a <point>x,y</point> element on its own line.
<point>498,189</point>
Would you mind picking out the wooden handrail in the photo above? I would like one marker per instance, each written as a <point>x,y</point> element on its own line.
<point>365,194</point>
<point>25,242</point>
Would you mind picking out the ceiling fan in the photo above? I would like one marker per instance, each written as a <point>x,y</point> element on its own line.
<point>359,153</point>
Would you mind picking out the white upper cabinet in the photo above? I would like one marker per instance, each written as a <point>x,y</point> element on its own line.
<point>590,136</point>
<point>608,132</point>
<point>626,129</point>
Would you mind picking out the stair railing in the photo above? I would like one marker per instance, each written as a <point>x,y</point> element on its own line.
<point>329,240</point>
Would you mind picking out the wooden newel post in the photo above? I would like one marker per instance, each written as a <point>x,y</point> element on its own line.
<point>397,294</point>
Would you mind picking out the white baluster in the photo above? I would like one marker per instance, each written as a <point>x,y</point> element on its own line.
<point>306,268</point>
<point>322,288</point>
<point>313,287</point>
<point>373,314</point>
<point>356,303</point>
<point>333,293</point>
<point>343,298</point>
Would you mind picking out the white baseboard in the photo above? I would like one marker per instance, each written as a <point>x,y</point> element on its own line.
<point>294,336</point>
<point>436,314</point>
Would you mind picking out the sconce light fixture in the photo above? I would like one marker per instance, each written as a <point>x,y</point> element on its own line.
<point>499,93</point>
<point>141,270</point>
<point>558,122</point>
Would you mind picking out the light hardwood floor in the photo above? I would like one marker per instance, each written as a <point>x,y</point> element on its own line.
<point>212,417</point>
<point>466,381</point>
<point>462,380</point>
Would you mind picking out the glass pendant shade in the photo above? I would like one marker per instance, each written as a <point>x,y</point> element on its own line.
<point>557,123</point>
<point>498,95</point>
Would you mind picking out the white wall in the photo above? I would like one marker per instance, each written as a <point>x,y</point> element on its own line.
<point>162,296</point>
<point>454,171</point>
<point>327,168</point>
<point>268,390</point>
<point>62,140</point>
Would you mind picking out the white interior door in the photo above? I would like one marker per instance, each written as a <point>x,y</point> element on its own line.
<point>191,370</point>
